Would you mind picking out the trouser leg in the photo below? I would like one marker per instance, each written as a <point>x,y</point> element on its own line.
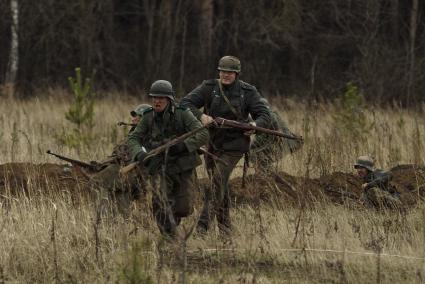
<point>217,199</point>
<point>173,202</point>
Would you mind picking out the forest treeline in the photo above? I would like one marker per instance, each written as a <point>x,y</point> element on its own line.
<point>290,47</point>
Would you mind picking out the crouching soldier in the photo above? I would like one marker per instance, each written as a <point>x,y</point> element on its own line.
<point>171,175</point>
<point>377,190</point>
<point>267,149</point>
<point>113,190</point>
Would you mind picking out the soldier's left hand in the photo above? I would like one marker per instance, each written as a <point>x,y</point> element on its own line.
<point>250,132</point>
<point>364,185</point>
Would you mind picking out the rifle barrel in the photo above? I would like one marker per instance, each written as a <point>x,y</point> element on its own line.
<point>246,126</point>
<point>72,161</point>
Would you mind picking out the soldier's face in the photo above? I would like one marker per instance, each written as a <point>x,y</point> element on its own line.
<point>361,172</point>
<point>135,119</point>
<point>227,77</point>
<point>159,103</point>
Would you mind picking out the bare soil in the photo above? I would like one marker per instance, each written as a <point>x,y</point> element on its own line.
<point>40,179</point>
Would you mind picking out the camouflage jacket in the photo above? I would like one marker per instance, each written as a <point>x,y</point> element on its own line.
<point>381,179</point>
<point>244,99</point>
<point>272,143</point>
<point>156,129</point>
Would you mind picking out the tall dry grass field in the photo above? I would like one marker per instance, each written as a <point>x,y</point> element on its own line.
<point>51,239</point>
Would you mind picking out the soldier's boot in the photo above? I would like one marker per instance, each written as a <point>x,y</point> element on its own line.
<point>207,215</point>
<point>204,221</point>
<point>167,227</point>
<point>123,201</point>
<point>223,219</point>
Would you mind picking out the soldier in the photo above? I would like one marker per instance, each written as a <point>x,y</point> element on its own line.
<point>171,176</point>
<point>378,191</point>
<point>111,186</point>
<point>230,98</point>
<point>267,149</point>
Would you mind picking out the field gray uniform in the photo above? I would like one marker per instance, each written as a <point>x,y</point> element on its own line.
<point>379,192</point>
<point>112,188</point>
<point>227,143</point>
<point>171,178</point>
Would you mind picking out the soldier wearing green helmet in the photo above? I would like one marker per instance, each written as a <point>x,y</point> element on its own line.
<point>230,98</point>
<point>171,174</point>
<point>138,111</point>
<point>229,64</point>
<point>112,189</point>
<point>378,191</point>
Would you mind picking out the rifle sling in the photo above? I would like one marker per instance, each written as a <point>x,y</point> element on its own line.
<point>226,99</point>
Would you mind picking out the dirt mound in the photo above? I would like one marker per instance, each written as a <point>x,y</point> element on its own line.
<point>337,187</point>
<point>34,179</point>
<point>41,179</point>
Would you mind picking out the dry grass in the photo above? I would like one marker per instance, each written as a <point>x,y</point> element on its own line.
<point>48,239</point>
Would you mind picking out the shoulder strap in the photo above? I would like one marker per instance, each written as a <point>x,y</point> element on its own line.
<point>226,99</point>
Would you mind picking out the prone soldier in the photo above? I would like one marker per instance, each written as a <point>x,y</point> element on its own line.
<point>377,188</point>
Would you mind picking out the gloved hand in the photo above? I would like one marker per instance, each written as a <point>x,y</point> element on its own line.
<point>178,149</point>
<point>250,132</point>
<point>141,156</point>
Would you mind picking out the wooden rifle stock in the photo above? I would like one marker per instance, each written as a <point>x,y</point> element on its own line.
<point>162,148</point>
<point>246,126</point>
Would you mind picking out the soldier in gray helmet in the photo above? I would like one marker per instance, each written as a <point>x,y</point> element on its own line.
<point>112,189</point>
<point>137,113</point>
<point>378,191</point>
<point>230,98</point>
<point>268,149</point>
<point>171,174</point>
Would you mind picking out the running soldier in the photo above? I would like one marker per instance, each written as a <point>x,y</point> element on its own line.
<point>171,175</point>
<point>230,98</point>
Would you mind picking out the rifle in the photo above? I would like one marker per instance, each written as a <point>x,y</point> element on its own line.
<point>246,126</point>
<point>204,151</point>
<point>342,193</point>
<point>92,166</point>
<point>162,148</point>
<point>120,123</point>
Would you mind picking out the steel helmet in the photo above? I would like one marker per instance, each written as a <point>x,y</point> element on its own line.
<point>162,88</point>
<point>139,110</point>
<point>229,63</point>
<point>364,162</point>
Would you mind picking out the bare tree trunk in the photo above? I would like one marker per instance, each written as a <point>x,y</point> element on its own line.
<point>395,7</point>
<point>206,29</point>
<point>12,69</point>
<point>183,50</point>
<point>412,38</point>
<point>172,30</point>
<point>149,12</point>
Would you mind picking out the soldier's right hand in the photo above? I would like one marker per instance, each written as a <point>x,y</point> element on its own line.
<point>206,119</point>
<point>141,156</point>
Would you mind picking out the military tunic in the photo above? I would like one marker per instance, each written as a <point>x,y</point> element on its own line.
<point>171,178</point>
<point>267,149</point>
<point>226,143</point>
<point>379,192</point>
<point>113,190</point>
